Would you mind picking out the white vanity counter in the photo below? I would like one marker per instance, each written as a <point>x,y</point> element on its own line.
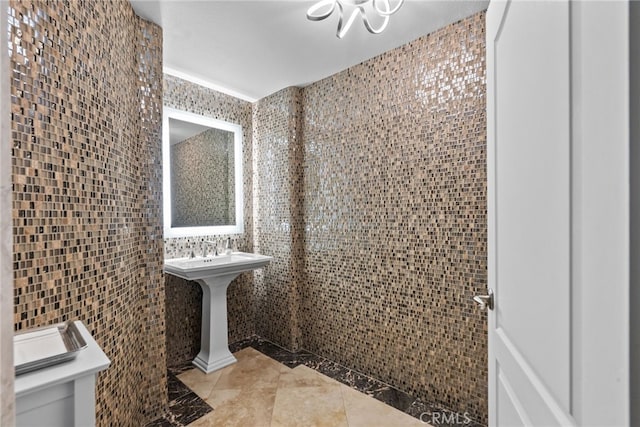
<point>64,394</point>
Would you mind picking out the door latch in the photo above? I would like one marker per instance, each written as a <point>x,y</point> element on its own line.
<point>485,301</point>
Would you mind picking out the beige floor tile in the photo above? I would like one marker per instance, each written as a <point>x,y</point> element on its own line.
<point>219,398</point>
<point>192,376</point>
<point>202,389</point>
<point>239,408</point>
<point>251,371</point>
<point>247,353</point>
<point>205,421</point>
<point>195,378</point>
<point>302,376</point>
<point>365,411</point>
<point>285,368</point>
<point>257,391</point>
<point>309,406</point>
<point>199,382</point>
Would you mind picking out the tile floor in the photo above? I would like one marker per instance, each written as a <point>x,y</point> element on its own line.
<point>258,391</point>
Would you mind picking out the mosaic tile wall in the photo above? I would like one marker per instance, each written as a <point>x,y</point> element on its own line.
<point>184,307</point>
<point>86,105</point>
<point>183,297</point>
<point>204,161</point>
<point>395,217</point>
<point>279,221</point>
<point>386,206</point>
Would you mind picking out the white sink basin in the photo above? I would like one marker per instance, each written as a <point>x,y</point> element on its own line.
<point>199,267</point>
<point>214,274</point>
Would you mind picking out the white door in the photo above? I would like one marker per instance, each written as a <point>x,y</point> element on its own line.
<point>544,368</point>
<point>529,229</point>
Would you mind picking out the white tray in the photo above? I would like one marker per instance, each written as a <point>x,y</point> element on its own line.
<point>46,346</point>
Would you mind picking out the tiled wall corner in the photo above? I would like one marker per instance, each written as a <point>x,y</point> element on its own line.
<point>152,300</point>
<point>279,217</point>
<point>185,298</point>
<point>389,196</point>
<point>86,105</point>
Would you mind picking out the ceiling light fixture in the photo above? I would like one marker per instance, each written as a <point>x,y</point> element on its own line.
<point>322,9</point>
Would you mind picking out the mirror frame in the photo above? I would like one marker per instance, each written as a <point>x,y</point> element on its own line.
<point>169,231</point>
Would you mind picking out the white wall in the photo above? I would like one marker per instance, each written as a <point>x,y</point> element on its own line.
<point>634,77</point>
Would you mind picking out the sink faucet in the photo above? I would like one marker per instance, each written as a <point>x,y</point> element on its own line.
<point>215,246</point>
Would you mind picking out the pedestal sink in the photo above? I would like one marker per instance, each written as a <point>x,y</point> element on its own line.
<point>214,274</point>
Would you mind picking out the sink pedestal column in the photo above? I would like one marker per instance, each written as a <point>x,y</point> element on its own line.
<point>214,342</point>
<point>214,274</point>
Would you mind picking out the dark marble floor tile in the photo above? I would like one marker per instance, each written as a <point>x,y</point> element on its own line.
<point>360,382</point>
<point>270,349</point>
<point>176,388</point>
<point>283,356</point>
<point>363,383</point>
<point>419,407</point>
<point>392,397</point>
<point>439,416</point>
<point>330,369</point>
<point>162,422</point>
<point>315,362</point>
<point>346,376</point>
<point>184,405</point>
<point>188,408</point>
<point>178,369</point>
<point>239,345</point>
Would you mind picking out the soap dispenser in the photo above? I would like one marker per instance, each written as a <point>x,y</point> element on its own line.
<point>227,247</point>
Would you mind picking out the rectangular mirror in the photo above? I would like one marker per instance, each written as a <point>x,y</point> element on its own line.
<point>202,175</point>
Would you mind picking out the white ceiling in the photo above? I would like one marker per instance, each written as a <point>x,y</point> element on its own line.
<point>251,49</point>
